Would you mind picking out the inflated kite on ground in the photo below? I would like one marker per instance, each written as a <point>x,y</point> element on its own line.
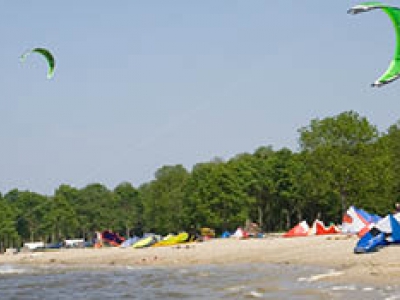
<point>393,72</point>
<point>47,55</point>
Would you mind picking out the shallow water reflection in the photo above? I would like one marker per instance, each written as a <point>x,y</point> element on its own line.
<point>239,281</point>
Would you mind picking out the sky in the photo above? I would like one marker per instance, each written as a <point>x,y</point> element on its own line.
<point>143,84</point>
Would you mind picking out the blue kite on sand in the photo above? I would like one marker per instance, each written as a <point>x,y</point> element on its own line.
<point>383,233</point>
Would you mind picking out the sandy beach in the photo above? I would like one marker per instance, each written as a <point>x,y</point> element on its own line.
<point>334,252</point>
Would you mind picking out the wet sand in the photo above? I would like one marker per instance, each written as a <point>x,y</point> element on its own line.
<point>334,252</point>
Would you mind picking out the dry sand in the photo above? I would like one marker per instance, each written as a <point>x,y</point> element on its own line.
<point>334,252</point>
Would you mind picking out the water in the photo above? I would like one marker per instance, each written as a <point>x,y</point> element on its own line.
<point>240,281</point>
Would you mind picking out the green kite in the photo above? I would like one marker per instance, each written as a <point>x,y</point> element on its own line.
<point>47,55</point>
<point>393,72</point>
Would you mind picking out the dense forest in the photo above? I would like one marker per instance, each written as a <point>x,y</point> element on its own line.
<point>342,160</point>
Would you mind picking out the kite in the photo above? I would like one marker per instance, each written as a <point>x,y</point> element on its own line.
<point>47,55</point>
<point>393,71</point>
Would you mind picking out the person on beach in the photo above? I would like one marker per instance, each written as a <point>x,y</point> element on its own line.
<point>397,207</point>
<point>193,234</point>
<point>98,241</point>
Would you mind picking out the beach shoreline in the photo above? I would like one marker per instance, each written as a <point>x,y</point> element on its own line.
<point>333,252</point>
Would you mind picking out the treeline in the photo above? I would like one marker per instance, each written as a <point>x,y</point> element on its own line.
<point>342,160</point>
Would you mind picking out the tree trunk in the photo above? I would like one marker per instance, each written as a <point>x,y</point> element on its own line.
<point>299,216</point>
<point>343,198</point>
<point>260,217</point>
<point>128,234</point>
<point>288,225</point>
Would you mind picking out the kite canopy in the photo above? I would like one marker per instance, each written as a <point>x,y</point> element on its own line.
<point>358,221</point>
<point>393,71</point>
<point>47,55</point>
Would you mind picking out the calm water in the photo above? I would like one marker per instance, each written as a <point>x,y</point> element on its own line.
<point>261,281</point>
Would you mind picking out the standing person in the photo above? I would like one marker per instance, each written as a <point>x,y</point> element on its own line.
<point>99,240</point>
<point>397,207</point>
<point>193,234</point>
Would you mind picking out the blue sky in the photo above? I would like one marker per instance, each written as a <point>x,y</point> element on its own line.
<point>142,84</point>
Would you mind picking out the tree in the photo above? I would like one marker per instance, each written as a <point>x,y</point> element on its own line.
<point>216,197</point>
<point>129,207</point>
<point>61,220</point>
<point>96,211</point>
<point>392,140</point>
<point>163,200</point>
<point>334,144</point>
<point>30,208</point>
<point>8,230</point>
<point>344,131</point>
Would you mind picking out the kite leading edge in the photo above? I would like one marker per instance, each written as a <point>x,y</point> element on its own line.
<point>47,55</point>
<point>393,71</point>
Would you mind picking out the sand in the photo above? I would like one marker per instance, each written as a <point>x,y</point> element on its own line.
<point>334,252</point>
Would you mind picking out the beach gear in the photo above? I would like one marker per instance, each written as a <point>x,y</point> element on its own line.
<point>358,221</point>
<point>207,232</point>
<point>383,233</point>
<point>226,234</point>
<point>319,228</point>
<point>34,245</point>
<point>301,229</point>
<point>145,242</point>
<point>370,242</point>
<point>240,233</point>
<point>56,245</point>
<point>388,224</point>
<point>111,238</point>
<point>129,242</point>
<point>395,229</point>
<point>173,240</point>
<point>74,243</point>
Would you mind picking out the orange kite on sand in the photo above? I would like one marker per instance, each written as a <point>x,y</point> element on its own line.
<point>318,228</point>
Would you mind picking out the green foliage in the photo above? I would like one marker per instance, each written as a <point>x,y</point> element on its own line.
<point>8,229</point>
<point>129,208</point>
<point>344,131</point>
<point>96,209</point>
<point>216,197</point>
<point>163,200</point>
<point>60,220</point>
<point>336,145</point>
<point>31,209</point>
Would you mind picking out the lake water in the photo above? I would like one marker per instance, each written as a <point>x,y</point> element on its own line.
<point>239,281</point>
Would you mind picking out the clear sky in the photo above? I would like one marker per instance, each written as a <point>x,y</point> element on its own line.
<point>142,84</point>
